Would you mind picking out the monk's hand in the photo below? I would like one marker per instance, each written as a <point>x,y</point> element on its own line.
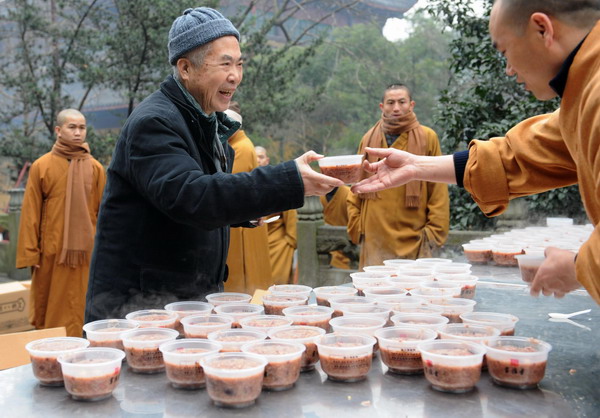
<point>556,276</point>
<point>315,184</point>
<point>394,169</point>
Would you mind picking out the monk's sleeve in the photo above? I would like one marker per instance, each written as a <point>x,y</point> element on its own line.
<point>438,202</point>
<point>291,227</point>
<point>28,244</point>
<point>353,208</point>
<point>532,158</point>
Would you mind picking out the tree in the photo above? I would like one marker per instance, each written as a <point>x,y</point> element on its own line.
<point>482,102</point>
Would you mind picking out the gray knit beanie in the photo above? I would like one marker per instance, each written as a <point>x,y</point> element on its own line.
<point>195,28</point>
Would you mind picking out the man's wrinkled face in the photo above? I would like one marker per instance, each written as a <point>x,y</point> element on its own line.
<point>73,130</point>
<point>525,51</point>
<point>262,158</point>
<point>214,82</point>
<point>396,103</point>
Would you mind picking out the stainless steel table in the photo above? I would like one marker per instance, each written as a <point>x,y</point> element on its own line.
<point>571,387</point>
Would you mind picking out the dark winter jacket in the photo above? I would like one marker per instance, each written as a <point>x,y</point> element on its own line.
<point>163,228</point>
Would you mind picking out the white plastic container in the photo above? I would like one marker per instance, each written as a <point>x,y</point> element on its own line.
<point>285,361</point>
<point>182,361</point>
<point>357,325</point>
<point>347,168</point>
<point>529,265</point>
<point>222,298</point>
<point>232,340</point>
<point>107,332</point>
<point>187,308</point>
<point>290,290</point>
<point>315,316</point>
<point>504,322</point>
<point>437,288</point>
<point>454,307</point>
<point>234,380</point>
<point>324,293</point>
<point>141,347</point>
<point>91,374</point>
<point>199,326</point>
<point>274,304</point>
<point>467,283</point>
<point>346,358</point>
<point>518,362</point>
<point>398,347</point>
<point>338,304</point>
<point>301,334</point>
<point>154,318</point>
<point>452,365</point>
<point>265,323</point>
<point>419,320</point>
<point>238,311</point>
<point>44,357</point>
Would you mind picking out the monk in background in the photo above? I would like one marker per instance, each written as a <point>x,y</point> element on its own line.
<point>248,257</point>
<point>282,236</point>
<point>58,224</point>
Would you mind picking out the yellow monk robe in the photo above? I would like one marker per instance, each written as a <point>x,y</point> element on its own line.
<point>335,213</point>
<point>248,257</point>
<point>57,291</point>
<point>282,243</point>
<point>385,228</point>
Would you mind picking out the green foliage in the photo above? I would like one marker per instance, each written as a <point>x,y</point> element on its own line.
<point>482,102</point>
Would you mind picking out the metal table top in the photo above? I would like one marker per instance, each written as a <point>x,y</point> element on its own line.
<point>570,387</point>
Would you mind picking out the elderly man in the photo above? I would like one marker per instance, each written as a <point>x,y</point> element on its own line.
<point>411,221</point>
<point>163,230</point>
<point>58,221</point>
<point>553,47</point>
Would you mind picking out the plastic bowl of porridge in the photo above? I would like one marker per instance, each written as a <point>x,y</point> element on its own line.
<point>504,322</point>
<point>425,297</point>
<point>399,263</point>
<point>234,380</point>
<point>238,311</point>
<point>199,326</point>
<point>285,361</point>
<point>44,355</point>
<point>389,270</point>
<point>398,347</point>
<point>478,253</point>
<point>347,168</point>
<point>182,361</point>
<point>187,308</point>
<point>275,304</point>
<point>265,323</point>
<point>221,298</point>
<point>358,325</point>
<point>453,308</point>
<point>437,288</point>
<point>383,292</point>
<point>346,358</point>
<point>91,374</point>
<point>316,316</point>
<point>421,308</point>
<point>419,320</point>
<point>142,348</point>
<point>529,265</point>
<point>107,332</point>
<point>518,362</point>
<point>377,311</point>
<point>364,279</point>
<point>232,340</point>
<point>306,335</point>
<point>290,289</point>
<point>467,283</point>
<point>452,268</point>
<point>154,318</point>
<point>452,365</point>
<point>410,280</point>
<point>504,255</point>
<point>339,303</point>
<point>324,293</point>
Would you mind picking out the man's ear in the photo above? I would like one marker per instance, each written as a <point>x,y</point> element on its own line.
<point>57,130</point>
<point>183,66</point>
<point>543,25</point>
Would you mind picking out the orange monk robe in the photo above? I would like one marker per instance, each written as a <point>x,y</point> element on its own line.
<point>248,257</point>
<point>387,229</point>
<point>335,212</point>
<point>57,291</point>
<point>282,243</point>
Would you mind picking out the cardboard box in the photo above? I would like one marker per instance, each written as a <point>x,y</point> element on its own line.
<point>14,308</point>
<point>12,346</point>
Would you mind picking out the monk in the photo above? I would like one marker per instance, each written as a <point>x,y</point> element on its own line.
<point>410,221</point>
<point>335,212</point>
<point>248,257</point>
<point>282,236</point>
<point>58,224</point>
